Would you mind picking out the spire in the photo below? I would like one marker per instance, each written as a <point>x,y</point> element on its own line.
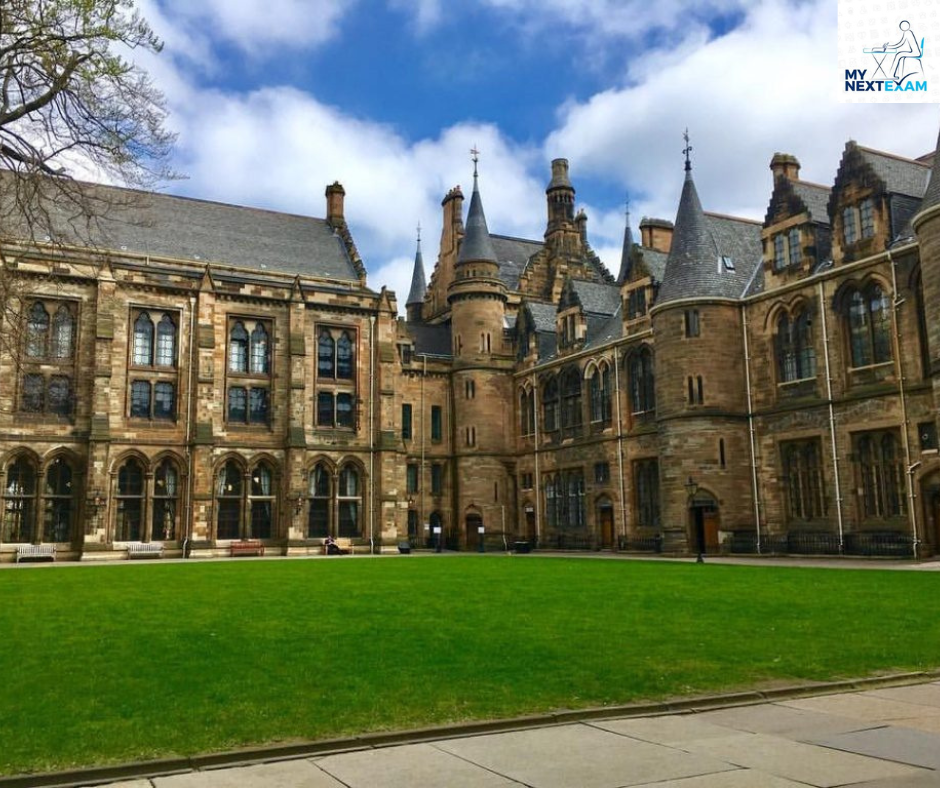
<point>626,263</point>
<point>477,245</point>
<point>691,261</point>
<point>932,195</point>
<point>418,283</point>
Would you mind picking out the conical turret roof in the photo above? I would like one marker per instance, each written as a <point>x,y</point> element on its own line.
<point>477,246</point>
<point>932,195</point>
<point>692,259</point>
<point>626,256</point>
<point>419,286</point>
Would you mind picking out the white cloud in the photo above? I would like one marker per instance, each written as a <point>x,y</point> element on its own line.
<point>426,14</point>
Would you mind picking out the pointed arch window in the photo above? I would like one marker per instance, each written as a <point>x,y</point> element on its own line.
<point>344,357</point>
<point>641,382</point>
<point>326,355</point>
<point>63,333</point>
<point>128,524</point>
<point>166,342</point>
<point>335,397</point>
<point>143,340</point>
<point>869,326</point>
<point>48,358</point>
<point>259,350</point>
<point>19,503</point>
<point>318,503</point>
<point>571,417</point>
<point>58,497</point>
<point>37,331</point>
<point>261,502</point>
<point>152,384</point>
<point>349,502</point>
<point>249,372</point>
<point>229,501</point>
<point>600,395</point>
<point>238,348</point>
<point>796,354</point>
<point>166,490</point>
<point>550,405</point>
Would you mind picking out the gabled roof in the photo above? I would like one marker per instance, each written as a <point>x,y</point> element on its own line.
<point>655,262</point>
<point>184,228</point>
<point>541,315</point>
<point>594,298</point>
<point>815,198</point>
<point>435,340</point>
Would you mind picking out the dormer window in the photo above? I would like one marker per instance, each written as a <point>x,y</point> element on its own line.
<point>867,213</point>
<point>849,227</point>
<point>796,253</point>
<point>636,303</point>
<point>780,254</point>
<point>787,249</point>
<point>858,221</point>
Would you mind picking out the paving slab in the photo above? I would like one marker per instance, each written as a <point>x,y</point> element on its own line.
<point>862,706</point>
<point>742,778</point>
<point>918,694</point>
<point>916,748</point>
<point>817,766</point>
<point>670,730</point>
<point>580,755</point>
<point>927,724</point>
<point>413,766</point>
<point>283,774</point>
<point>790,723</point>
<point>925,780</point>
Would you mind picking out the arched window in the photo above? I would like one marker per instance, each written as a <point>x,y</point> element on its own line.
<point>37,331</point>
<point>527,411</point>
<point>166,342</point>
<point>19,505</point>
<point>869,319</point>
<point>259,350</point>
<point>571,401</point>
<point>326,355</point>
<point>238,348</point>
<point>642,384</point>
<point>600,395</point>
<point>166,490</point>
<point>318,515</point>
<point>143,340</point>
<point>229,501</point>
<point>344,357</point>
<point>58,496</point>
<point>128,525</point>
<point>261,502</point>
<point>63,333</point>
<point>349,500</point>
<point>796,355</point>
<point>550,405</point>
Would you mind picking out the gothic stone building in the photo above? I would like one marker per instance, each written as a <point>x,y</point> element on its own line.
<point>210,374</point>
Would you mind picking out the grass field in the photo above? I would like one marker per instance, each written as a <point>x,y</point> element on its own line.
<point>112,663</point>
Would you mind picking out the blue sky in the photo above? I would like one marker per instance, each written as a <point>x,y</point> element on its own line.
<point>274,99</point>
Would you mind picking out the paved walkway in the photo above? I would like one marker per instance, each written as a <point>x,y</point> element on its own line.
<point>876,738</point>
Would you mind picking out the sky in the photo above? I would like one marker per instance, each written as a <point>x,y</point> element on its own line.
<point>274,99</point>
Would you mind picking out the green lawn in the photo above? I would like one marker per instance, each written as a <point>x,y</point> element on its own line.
<point>112,663</point>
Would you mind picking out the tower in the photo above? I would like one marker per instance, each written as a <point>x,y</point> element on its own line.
<point>419,286</point>
<point>927,228</point>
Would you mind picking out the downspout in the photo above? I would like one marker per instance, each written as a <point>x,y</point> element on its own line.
<point>905,438</point>
<point>832,416</point>
<point>538,473</point>
<point>750,426</point>
<point>623,493</point>
<point>423,481</point>
<point>372,434</point>
<point>193,362</point>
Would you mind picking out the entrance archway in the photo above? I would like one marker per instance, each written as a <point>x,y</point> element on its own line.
<point>474,522</point>
<point>605,523</point>
<point>704,520</point>
<point>930,495</point>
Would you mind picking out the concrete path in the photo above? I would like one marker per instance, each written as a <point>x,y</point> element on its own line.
<point>876,738</point>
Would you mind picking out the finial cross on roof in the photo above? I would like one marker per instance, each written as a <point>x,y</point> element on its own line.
<point>475,155</point>
<point>687,150</point>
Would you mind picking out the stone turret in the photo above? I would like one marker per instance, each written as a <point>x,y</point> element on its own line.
<point>927,228</point>
<point>418,287</point>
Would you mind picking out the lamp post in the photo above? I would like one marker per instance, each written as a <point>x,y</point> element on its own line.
<point>691,487</point>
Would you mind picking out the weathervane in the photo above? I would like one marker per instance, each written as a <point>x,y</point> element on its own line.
<point>475,155</point>
<point>687,150</point>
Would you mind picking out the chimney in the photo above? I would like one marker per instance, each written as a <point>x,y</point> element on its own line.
<point>785,165</point>
<point>335,194</point>
<point>452,229</point>
<point>656,234</point>
<point>581,221</point>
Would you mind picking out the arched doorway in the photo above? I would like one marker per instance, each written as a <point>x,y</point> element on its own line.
<point>474,522</point>
<point>704,520</point>
<point>605,523</point>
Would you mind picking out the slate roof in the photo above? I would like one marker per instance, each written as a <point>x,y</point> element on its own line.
<point>694,268</point>
<point>419,284</point>
<point>543,315</point>
<point>596,298</point>
<point>600,331</point>
<point>184,228</point>
<point>932,195</point>
<point>435,340</point>
<point>513,254</point>
<point>655,262</point>
<point>477,246</point>
<point>901,176</point>
<point>815,198</point>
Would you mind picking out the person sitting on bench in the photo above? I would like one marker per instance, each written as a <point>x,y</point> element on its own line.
<point>332,548</point>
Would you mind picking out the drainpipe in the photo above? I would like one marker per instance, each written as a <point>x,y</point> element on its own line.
<point>423,479</point>
<point>371,434</point>
<point>832,416</point>
<point>623,493</point>
<point>905,438</point>
<point>750,426</point>
<point>538,473</point>
<point>193,362</point>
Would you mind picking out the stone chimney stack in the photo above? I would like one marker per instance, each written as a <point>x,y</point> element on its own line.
<point>335,195</point>
<point>785,165</point>
<point>656,234</point>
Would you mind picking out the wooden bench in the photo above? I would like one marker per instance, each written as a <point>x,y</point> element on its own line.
<point>40,552</point>
<point>145,550</point>
<point>247,547</point>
